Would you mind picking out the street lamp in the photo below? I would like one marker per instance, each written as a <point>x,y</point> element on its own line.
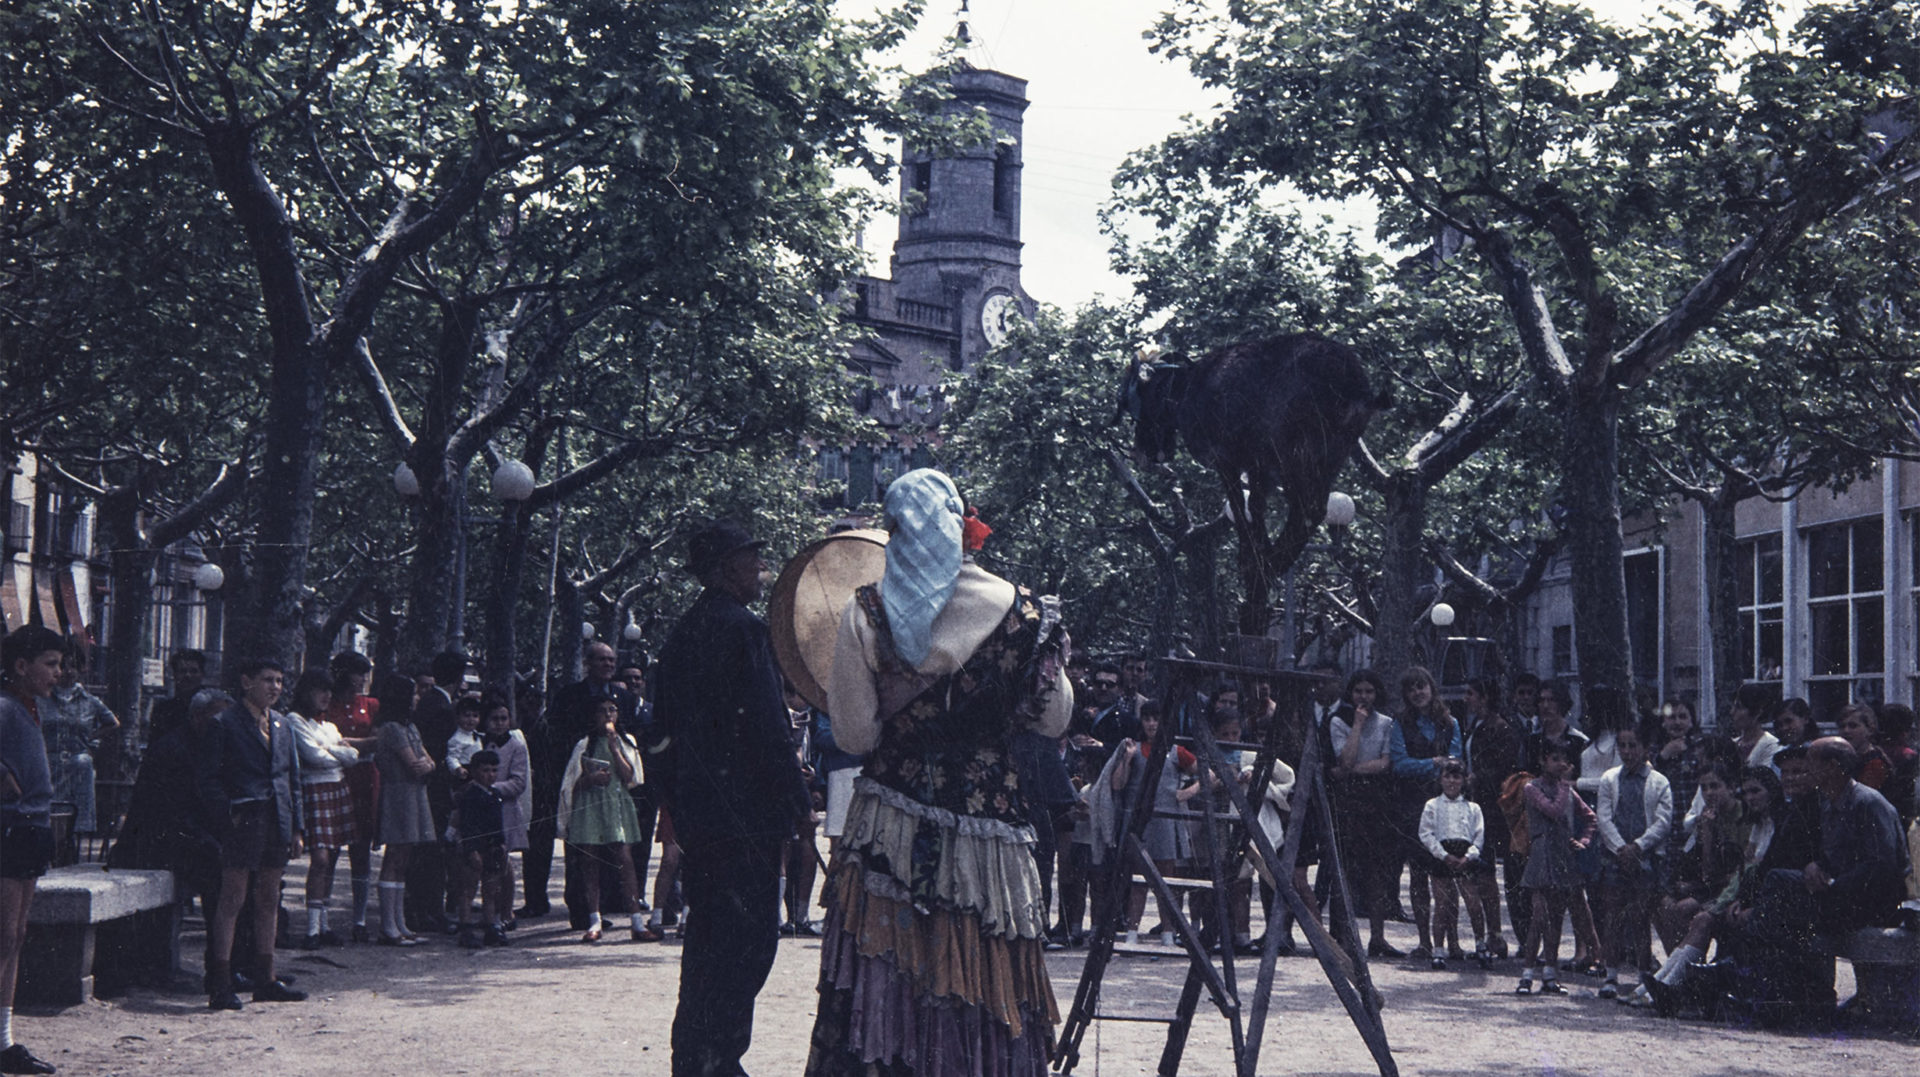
<point>631,633</point>
<point>1340,510</point>
<point>405,482</point>
<point>1340,513</point>
<point>209,577</point>
<point>1441,615</point>
<point>513,481</point>
<point>586,629</point>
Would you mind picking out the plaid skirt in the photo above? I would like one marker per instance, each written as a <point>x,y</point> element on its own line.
<point>330,818</point>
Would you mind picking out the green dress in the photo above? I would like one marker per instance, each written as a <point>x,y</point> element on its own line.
<point>601,814</point>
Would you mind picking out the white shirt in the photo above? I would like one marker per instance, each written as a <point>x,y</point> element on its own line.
<point>1449,819</point>
<point>324,753</point>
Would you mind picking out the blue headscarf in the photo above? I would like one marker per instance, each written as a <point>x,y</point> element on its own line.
<point>923,558</point>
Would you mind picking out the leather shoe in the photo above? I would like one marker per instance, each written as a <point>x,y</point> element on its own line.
<point>224,1000</point>
<point>17,1059</point>
<point>533,912</point>
<point>278,991</point>
<point>1381,948</point>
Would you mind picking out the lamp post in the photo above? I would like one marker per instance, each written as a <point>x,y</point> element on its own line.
<point>209,577</point>
<point>1339,514</point>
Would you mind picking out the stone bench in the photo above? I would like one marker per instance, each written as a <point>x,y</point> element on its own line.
<point>87,923</point>
<point>1886,973</point>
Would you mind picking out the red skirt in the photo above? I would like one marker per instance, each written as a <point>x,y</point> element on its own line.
<point>329,815</point>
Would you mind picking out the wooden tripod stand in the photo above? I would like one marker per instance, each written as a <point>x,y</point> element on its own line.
<point>1225,838</point>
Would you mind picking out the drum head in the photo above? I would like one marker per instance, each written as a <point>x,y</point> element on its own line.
<point>804,609</point>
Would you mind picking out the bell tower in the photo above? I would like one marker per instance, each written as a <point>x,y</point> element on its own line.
<point>959,242</point>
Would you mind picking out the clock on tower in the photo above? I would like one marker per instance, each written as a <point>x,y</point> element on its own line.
<point>997,316</point>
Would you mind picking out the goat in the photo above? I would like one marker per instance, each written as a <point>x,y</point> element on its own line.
<point>1286,411</point>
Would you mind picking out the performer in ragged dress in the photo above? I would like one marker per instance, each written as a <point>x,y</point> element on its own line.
<point>932,957</point>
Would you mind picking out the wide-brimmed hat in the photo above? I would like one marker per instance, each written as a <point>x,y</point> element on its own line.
<point>711,544</point>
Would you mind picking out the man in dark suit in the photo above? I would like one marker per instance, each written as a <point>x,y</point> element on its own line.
<point>250,783</point>
<point>433,716</point>
<point>722,759</point>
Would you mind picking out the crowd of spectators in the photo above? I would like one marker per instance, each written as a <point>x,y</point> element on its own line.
<point>1742,851</point>
<point>1747,853</point>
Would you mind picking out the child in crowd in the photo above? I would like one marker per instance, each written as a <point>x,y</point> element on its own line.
<point>1561,826</point>
<point>1453,829</point>
<point>600,819</point>
<point>467,738</point>
<point>1635,814</point>
<point>1169,842</point>
<point>480,824</point>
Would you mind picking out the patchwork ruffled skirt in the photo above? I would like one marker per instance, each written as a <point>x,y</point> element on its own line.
<point>932,959</point>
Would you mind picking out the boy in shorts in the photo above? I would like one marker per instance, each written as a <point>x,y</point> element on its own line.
<point>482,842</point>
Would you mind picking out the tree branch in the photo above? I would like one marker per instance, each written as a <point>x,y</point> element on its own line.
<point>1528,305</point>
<point>191,516</point>
<point>384,405</point>
<point>1461,434</point>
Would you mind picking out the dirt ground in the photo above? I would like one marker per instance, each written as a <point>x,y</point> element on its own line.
<point>548,1004</point>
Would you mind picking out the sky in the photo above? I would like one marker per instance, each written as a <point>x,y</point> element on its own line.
<point>1096,94</point>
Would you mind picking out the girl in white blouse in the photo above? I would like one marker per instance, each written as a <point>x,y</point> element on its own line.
<point>1453,830</point>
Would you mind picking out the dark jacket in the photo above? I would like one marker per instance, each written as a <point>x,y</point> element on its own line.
<point>719,753</point>
<point>238,766</point>
<point>1863,851</point>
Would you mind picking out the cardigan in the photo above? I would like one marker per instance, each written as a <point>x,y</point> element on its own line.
<point>1657,800</point>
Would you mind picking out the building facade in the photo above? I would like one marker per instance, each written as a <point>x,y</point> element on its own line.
<point>952,292</point>
<point>1828,600</point>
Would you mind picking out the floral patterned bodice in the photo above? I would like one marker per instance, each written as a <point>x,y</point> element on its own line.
<point>947,748</point>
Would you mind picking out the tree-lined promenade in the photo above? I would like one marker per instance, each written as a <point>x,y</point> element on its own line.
<point>261,258</point>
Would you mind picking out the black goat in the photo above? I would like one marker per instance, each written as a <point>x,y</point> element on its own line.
<point>1285,412</point>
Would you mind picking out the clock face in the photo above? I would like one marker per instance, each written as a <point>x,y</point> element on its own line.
<point>997,316</point>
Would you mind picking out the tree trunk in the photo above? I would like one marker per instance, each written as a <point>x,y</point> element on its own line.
<point>570,612</point>
<point>432,574</point>
<point>1721,554</point>
<point>1403,574</point>
<point>1590,488</point>
<point>1204,599</point>
<point>268,617</point>
<point>130,570</point>
<point>503,595</point>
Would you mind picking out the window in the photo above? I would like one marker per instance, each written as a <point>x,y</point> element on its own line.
<point>1762,613</point>
<point>1003,173</point>
<point>833,466</point>
<point>920,185</point>
<point>892,464</point>
<point>1562,650</point>
<point>1845,617</point>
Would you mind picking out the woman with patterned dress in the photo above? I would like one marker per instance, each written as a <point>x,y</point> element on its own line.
<point>406,820</point>
<point>352,713</point>
<point>932,958</point>
<point>598,820</point>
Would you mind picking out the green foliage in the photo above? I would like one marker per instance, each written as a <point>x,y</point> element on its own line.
<point>618,223</point>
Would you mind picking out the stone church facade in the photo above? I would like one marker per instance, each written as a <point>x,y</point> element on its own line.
<point>952,291</point>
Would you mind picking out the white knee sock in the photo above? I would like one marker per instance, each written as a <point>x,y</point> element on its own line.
<point>316,917</point>
<point>6,1027</point>
<point>639,921</point>
<point>1674,972</point>
<point>391,895</point>
<point>361,884</point>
